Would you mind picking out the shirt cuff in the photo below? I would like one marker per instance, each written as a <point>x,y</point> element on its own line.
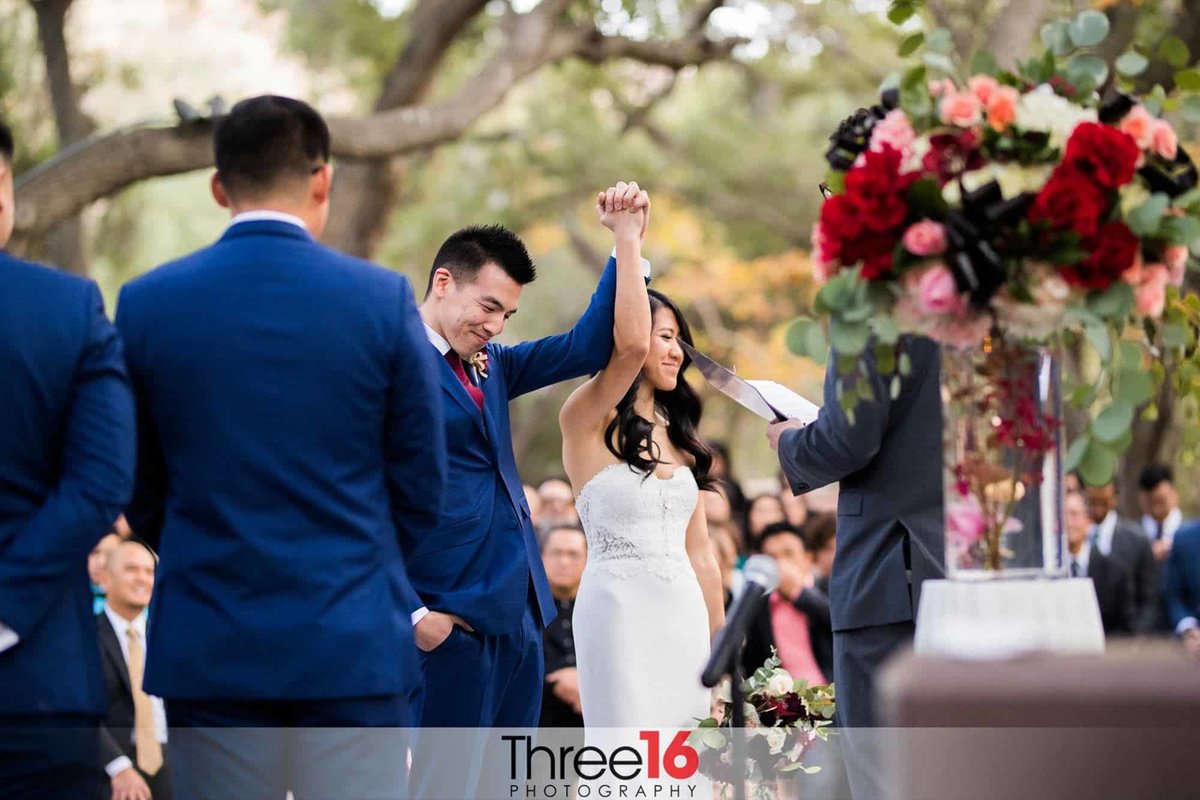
<point>645,265</point>
<point>1186,624</point>
<point>117,766</point>
<point>419,614</point>
<point>8,637</point>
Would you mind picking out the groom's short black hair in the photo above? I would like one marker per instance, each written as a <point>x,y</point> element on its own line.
<point>468,249</point>
<point>7,148</point>
<point>266,142</point>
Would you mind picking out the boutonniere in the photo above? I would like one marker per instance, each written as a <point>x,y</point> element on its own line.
<point>479,361</point>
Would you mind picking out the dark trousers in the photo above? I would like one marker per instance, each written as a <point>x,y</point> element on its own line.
<point>480,682</point>
<point>336,749</point>
<point>857,656</point>
<point>50,757</point>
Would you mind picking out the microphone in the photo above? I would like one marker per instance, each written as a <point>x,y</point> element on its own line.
<point>762,578</point>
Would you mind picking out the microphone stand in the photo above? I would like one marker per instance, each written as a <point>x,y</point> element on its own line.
<point>738,698</point>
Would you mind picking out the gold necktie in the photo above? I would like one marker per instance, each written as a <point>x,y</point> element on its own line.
<point>145,737</point>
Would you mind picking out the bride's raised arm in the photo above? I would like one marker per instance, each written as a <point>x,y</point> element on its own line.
<point>624,209</point>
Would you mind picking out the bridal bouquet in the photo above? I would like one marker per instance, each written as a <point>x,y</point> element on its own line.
<point>783,718</point>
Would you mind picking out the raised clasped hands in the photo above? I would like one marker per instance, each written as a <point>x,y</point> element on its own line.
<point>624,209</point>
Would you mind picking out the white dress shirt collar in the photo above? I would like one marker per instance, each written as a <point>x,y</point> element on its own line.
<point>436,340</point>
<point>122,626</point>
<point>1102,534</point>
<point>267,215</point>
<point>1169,525</point>
<point>1082,558</point>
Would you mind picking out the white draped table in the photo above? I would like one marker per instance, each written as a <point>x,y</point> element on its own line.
<point>1000,618</point>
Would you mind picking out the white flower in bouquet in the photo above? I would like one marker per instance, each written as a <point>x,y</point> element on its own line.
<point>1039,319</point>
<point>776,739</point>
<point>1014,179</point>
<point>1043,110</point>
<point>780,683</point>
<point>724,691</point>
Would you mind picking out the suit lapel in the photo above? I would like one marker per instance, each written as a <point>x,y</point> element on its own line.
<point>112,649</point>
<point>455,389</point>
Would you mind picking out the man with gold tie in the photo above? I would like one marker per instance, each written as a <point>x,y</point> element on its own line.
<point>133,735</point>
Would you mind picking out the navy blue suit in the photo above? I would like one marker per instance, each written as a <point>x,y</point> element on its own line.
<point>481,559</point>
<point>1181,576</point>
<point>66,471</point>
<point>290,434</point>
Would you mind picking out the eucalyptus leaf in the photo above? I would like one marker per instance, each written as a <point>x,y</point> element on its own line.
<point>1098,464</point>
<point>1089,29</point>
<point>1056,37</point>
<point>1174,51</point>
<point>1189,109</point>
<point>886,330</point>
<point>940,62</point>
<point>1180,230</point>
<point>900,12</point>
<point>848,337</point>
<point>910,44</point>
<point>1115,303</point>
<point>1075,453</point>
<point>1087,71</point>
<point>797,336</point>
<point>941,41</point>
<point>1145,219</point>
<point>1188,80</point>
<point>894,393</point>
<point>905,365</point>
<point>1174,335</point>
<point>1132,63</point>
<point>1100,339</point>
<point>1134,386</point>
<point>1113,422</point>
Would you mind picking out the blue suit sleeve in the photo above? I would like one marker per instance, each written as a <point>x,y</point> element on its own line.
<point>583,350</point>
<point>415,435</point>
<point>147,508</point>
<point>831,447</point>
<point>95,481</point>
<point>1174,585</point>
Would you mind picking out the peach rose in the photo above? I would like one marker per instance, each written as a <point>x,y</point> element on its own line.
<point>1151,294</point>
<point>1139,123</point>
<point>1175,257</point>
<point>894,131</point>
<point>961,109</point>
<point>1002,108</point>
<point>943,87</point>
<point>983,86</point>
<point>1163,140</point>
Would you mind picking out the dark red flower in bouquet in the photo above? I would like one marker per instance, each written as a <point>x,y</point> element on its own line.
<point>952,154</point>
<point>1111,251</point>
<point>1070,201</point>
<point>841,222</point>
<point>1107,155</point>
<point>877,188</point>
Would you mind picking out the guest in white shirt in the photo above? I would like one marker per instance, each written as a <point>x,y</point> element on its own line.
<point>1083,559</point>
<point>1125,543</point>
<point>133,736</point>
<point>1159,501</point>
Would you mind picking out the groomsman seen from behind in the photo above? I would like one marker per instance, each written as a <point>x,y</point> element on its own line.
<point>66,471</point>
<point>290,432</point>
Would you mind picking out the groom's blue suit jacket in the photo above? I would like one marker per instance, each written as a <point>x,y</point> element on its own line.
<point>66,471</point>
<point>290,431</point>
<point>481,558</point>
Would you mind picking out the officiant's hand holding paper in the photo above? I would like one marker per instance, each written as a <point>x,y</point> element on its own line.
<point>776,429</point>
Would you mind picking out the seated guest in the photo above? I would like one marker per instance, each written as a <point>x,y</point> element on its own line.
<point>795,507</point>
<point>725,551</point>
<point>764,510</point>
<point>722,471</point>
<point>1084,560</point>
<point>535,509</point>
<point>820,537</point>
<point>95,566</point>
<point>1125,543</point>
<point>134,733</point>
<point>1181,586</point>
<point>557,502</point>
<point>795,619</point>
<point>564,554</point>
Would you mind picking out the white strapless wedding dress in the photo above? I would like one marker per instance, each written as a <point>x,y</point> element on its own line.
<point>641,625</point>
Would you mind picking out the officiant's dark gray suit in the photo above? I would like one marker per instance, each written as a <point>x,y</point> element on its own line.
<point>889,528</point>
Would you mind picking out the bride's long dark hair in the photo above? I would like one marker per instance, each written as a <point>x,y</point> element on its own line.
<point>630,437</point>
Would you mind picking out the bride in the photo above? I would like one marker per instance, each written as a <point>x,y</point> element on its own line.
<point>651,597</point>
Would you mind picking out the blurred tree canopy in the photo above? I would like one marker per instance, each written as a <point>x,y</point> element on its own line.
<point>452,112</point>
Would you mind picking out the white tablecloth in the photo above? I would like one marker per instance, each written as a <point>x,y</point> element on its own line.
<point>1002,618</point>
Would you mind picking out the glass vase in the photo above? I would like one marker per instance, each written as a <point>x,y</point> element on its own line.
<point>1002,439</point>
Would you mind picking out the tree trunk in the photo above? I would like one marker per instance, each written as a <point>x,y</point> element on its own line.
<point>1016,30</point>
<point>64,246</point>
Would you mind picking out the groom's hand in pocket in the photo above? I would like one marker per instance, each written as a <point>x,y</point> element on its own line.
<point>565,685</point>
<point>435,628</point>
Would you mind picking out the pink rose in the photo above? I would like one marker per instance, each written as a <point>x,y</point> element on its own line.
<point>824,265</point>
<point>1175,257</point>
<point>962,109</point>
<point>894,131</point>
<point>1163,140</point>
<point>937,292</point>
<point>939,88</point>
<point>962,332</point>
<point>965,521</point>
<point>1002,108</point>
<point>983,87</point>
<point>925,238</point>
<point>1151,293</point>
<point>1139,123</point>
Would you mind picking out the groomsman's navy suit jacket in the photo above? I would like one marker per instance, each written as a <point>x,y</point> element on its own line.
<point>481,557</point>
<point>66,471</point>
<point>290,432</point>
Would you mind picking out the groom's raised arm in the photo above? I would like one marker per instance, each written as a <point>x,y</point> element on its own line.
<point>831,447</point>
<point>582,350</point>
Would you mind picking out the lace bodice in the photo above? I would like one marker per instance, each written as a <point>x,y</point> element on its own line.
<point>637,525</point>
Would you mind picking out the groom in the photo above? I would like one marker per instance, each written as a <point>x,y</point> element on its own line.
<point>290,430</point>
<point>479,570</point>
<point>889,531</point>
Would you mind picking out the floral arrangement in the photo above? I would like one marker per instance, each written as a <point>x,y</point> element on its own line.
<point>783,718</point>
<point>997,211</point>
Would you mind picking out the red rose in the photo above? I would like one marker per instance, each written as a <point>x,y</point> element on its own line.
<point>877,189</point>
<point>1112,251</point>
<point>1107,155</point>
<point>1070,201</point>
<point>841,222</point>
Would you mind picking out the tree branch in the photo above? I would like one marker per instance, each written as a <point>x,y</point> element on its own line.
<point>1015,30</point>
<point>104,165</point>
